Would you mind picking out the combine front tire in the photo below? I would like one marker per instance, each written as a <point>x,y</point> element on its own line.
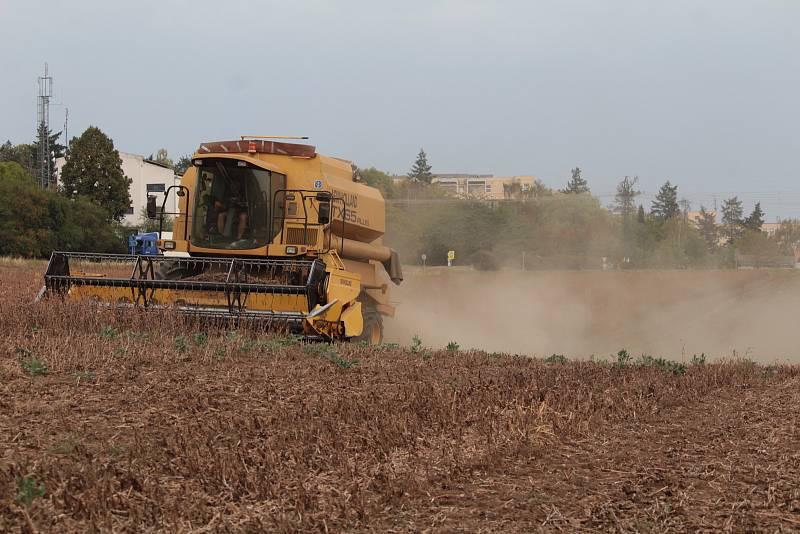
<point>373,328</point>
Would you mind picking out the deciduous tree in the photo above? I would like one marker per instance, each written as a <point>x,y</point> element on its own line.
<point>183,164</point>
<point>162,157</point>
<point>93,170</point>
<point>787,236</point>
<point>24,154</point>
<point>707,226</point>
<point>375,178</point>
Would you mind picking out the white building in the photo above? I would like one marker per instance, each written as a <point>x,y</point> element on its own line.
<point>147,178</point>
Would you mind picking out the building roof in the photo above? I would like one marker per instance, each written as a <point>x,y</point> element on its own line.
<point>456,175</point>
<point>157,163</point>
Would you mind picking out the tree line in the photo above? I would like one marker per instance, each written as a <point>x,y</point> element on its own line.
<point>83,213</point>
<point>569,227</point>
<point>538,227</point>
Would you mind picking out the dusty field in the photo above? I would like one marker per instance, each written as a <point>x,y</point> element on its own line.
<point>138,425</point>
<point>581,313</point>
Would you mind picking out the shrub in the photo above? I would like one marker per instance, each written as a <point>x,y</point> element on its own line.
<point>556,358</point>
<point>664,365</point>
<point>34,222</point>
<point>484,261</point>
<point>623,359</point>
<point>416,344</point>
<point>342,363</point>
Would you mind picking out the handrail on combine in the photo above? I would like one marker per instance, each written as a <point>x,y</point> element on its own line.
<point>182,191</point>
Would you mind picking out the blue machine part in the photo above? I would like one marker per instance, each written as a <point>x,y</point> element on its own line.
<point>143,243</point>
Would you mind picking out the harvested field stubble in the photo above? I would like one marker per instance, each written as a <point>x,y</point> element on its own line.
<point>141,424</point>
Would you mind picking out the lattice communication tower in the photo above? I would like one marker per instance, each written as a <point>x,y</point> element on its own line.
<point>43,127</point>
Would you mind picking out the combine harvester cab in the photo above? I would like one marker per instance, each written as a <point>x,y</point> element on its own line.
<point>266,232</point>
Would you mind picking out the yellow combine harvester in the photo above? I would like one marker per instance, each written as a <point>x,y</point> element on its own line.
<point>266,231</point>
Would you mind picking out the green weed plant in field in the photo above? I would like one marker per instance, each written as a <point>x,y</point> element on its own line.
<point>181,344</point>
<point>30,363</point>
<point>28,489</point>
<point>109,332</point>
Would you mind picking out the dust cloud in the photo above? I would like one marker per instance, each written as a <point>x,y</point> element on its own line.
<point>673,314</point>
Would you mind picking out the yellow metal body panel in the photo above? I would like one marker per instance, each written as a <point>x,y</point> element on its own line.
<point>353,320</point>
<point>210,299</point>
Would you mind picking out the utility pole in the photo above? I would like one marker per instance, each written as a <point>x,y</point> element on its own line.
<point>66,135</point>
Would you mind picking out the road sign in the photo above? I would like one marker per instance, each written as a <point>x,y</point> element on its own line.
<point>451,255</point>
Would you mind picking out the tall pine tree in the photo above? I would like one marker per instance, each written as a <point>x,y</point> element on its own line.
<point>421,171</point>
<point>665,206</point>
<point>577,184</point>
<point>625,199</point>
<point>755,220</point>
<point>94,170</point>
<point>56,151</point>
<point>732,223</point>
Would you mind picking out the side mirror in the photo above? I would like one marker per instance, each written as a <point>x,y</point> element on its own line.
<point>325,212</point>
<point>151,207</point>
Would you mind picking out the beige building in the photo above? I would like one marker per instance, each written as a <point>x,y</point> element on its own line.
<point>485,186</point>
<point>770,228</point>
<point>147,178</point>
<point>694,216</point>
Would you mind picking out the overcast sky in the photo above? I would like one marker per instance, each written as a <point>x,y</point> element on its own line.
<point>703,93</point>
